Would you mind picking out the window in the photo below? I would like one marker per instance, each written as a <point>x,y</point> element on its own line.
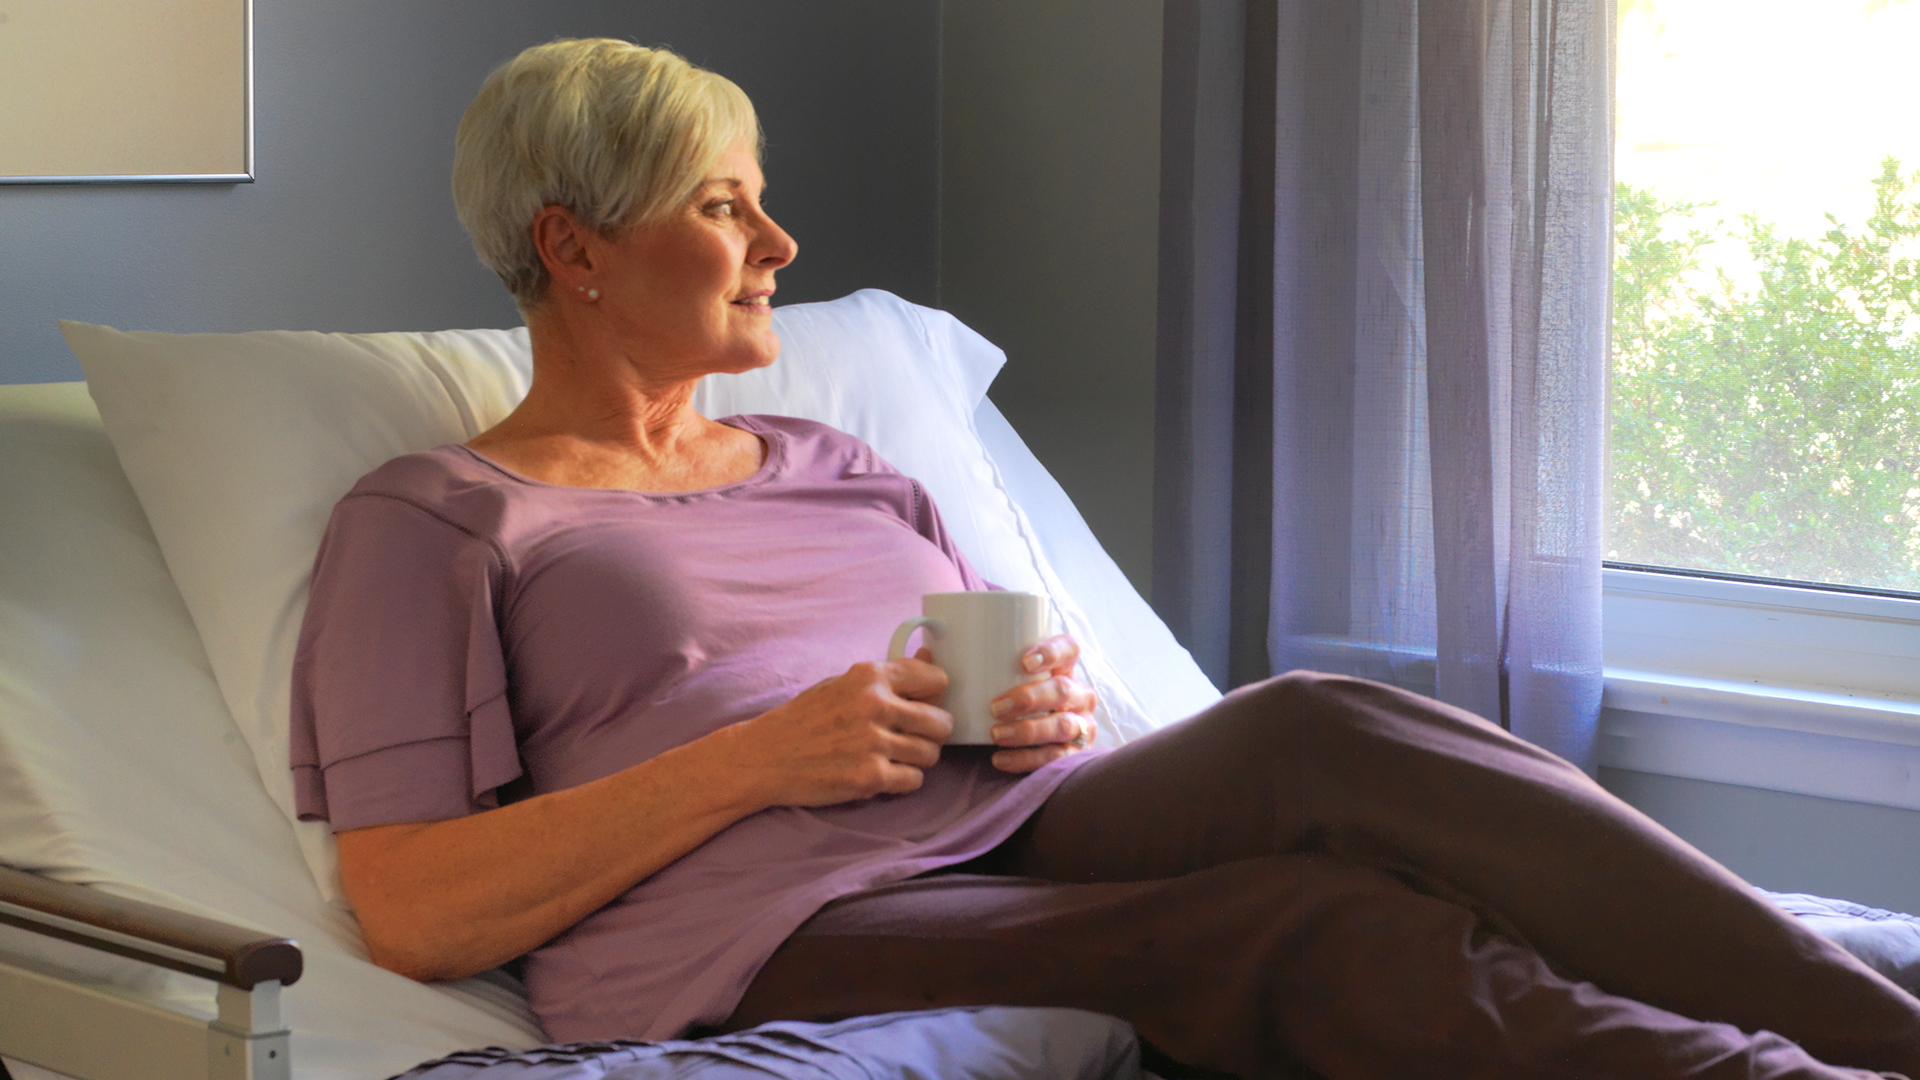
<point>1766,394</point>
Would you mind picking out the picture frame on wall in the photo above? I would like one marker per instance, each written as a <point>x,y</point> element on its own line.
<point>126,92</point>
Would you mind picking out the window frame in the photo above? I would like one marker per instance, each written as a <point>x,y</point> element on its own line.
<point>1770,685</point>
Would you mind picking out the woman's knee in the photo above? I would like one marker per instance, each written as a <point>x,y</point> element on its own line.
<point>1253,723</point>
<point>1315,694</point>
<point>1345,731</point>
<point>1311,707</point>
<point>1346,707</point>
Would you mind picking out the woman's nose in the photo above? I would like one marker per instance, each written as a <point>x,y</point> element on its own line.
<point>773,248</point>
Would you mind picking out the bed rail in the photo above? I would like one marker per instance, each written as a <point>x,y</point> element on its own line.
<point>98,1033</point>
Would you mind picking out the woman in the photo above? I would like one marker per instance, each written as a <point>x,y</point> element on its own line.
<point>580,691</point>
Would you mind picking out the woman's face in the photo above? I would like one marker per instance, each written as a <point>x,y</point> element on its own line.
<point>690,292</point>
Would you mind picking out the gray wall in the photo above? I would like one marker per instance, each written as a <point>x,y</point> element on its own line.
<point>350,226</point>
<point>1050,174</point>
<point>1787,842</point>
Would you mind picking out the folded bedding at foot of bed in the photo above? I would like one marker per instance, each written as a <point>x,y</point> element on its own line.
<point>1886,941</point>
<point>989,1043</point>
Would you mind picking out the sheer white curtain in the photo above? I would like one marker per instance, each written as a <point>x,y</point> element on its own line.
<point>1384,245</point>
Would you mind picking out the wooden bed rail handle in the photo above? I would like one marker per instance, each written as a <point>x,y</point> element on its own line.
<point>225,953</point>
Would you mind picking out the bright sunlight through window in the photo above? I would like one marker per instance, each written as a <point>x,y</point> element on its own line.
<point>1766,320</point>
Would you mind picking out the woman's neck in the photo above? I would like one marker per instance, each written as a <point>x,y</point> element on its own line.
<point>595,417</point>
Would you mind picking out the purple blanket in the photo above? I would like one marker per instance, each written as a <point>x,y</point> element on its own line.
<point>992,1043</point>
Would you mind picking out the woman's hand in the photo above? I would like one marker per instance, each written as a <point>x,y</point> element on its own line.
<point>868,732</point>
<point>1048,719</point>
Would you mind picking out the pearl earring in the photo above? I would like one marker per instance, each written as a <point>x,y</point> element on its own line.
<point>593,294</point>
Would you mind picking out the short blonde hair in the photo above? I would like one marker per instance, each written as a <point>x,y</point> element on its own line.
<point>615,132</point>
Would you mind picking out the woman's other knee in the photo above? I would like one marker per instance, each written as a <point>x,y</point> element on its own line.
<point>1343,713</point>
<point>1303,709</point>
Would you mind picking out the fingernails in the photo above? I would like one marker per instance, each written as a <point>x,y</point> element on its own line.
<point>1032,661</point>
<point>1000,732</point>
<point>1000,708</point>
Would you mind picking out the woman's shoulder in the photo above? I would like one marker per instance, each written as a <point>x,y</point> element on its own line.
<point>792,426</point>
<point>812,446</point>
<point>426,475</point>
<point>448,484</point>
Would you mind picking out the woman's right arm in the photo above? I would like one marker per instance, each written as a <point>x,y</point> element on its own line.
<point>447,899</point>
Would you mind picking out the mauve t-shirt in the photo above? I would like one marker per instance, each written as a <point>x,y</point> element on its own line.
<point>474,635</point>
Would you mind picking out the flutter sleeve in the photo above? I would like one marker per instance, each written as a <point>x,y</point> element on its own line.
<point>399,708</point>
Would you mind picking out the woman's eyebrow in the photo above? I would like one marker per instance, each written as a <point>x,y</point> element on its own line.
<point>736,185</point>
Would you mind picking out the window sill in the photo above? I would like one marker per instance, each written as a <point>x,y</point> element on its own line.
<point>1767,686</point>
<point>1859,747</point>
<point>1873,717</point>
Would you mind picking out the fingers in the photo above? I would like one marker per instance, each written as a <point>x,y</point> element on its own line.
<point>1062,693</point>
<point>915,719</point>
<point>1033,741</point>
<point>1057,654</point>
<point>911,735</point>
<point>1071,729</point>
<point>915,678</point>
<point>914,747</point>
<point>1025,759</point>
<point>891,697</point>
<point>850,737</point>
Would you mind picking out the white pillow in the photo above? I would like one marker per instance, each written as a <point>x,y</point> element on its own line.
<point>120,768</point>
<point>239,445</point>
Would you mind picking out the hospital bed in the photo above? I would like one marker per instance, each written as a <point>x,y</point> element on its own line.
<point>163,915</point>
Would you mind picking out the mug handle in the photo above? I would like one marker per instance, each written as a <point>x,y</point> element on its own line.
<point>897,649</point>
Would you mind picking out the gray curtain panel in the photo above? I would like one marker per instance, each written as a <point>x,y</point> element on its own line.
<point>1385,233</point>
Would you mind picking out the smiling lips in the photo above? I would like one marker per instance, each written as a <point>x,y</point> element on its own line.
<point>759,300</point>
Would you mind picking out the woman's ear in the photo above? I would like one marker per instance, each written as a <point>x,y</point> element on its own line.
<point>565,248</point>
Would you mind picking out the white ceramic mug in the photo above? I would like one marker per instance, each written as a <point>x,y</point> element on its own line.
<point>977,639</point>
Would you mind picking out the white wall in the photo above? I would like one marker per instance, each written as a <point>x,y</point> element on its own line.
<point>350,226</point>
<point>1050,178</point>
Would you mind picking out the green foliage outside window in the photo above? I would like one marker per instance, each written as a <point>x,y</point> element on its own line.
<point>1770,429</point>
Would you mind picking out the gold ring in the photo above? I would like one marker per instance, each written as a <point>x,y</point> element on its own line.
<point>1080,740</point>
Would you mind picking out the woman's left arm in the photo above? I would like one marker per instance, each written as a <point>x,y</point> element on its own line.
<point>1048,719</point>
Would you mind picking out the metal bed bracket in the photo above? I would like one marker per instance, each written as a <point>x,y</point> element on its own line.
<point>96,1033</point>
<point>247,1040</point>
<point>92,1031</point>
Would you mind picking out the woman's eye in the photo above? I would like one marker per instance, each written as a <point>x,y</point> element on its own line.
<point>721,208</point>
